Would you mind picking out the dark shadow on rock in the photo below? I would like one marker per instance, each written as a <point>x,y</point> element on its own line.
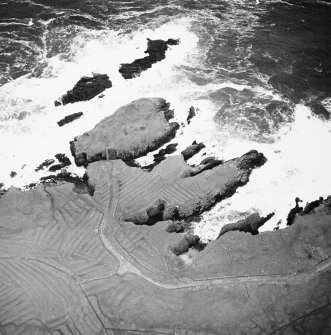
<point>156,52</point>
<point>251,224</point>
<point>69,118</point>
<point>85,89</point>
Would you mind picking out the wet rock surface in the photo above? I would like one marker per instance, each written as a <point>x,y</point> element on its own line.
<point>85,89</point>
<point>131,132</point>
<point>318,109</point>
<point>156,50</point>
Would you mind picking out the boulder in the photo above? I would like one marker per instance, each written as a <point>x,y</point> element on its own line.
<point>85,89</point>
<point>132,131</point>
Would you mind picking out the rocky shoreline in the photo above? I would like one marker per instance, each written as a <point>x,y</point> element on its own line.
<point>109,254</point>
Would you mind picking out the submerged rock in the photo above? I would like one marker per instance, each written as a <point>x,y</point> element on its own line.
<point>132,131</point>
<point>156,52</point>
<point>85,89</point>
<point>13,174</point>
<point>69,118</point>
<point>249,225</point>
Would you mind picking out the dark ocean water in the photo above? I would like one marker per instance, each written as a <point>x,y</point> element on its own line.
<point>249,66</point>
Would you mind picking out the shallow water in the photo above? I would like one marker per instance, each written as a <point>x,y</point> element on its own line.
<point>248,68</point>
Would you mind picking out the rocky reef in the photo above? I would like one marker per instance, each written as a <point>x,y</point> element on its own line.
<point>132,131</point>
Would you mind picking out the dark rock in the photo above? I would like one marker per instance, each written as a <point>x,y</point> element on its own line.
<point>132,131</point>
<point>249,225</point>
<point>62,158</point>
<point>311,205</point>
<point>160,156</point>
<point>13,174</point>
<point>251,160</point>
<point>191,115</point>
<point>46,163</point>
<point>318,109</point>
<point>156,52</point>
<point>176,227</point>
<point>85,89</point>
<point>185,244</point>
<point>64,161</point>
<point>192,150</point>
<point>207,160</point>
<point>69,118</point>
<point>22,115</point>
<point>294,211</point>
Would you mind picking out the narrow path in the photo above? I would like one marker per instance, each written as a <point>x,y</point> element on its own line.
<point>126,266</point>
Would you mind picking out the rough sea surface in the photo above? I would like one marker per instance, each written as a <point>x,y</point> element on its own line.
<point>248,66</point>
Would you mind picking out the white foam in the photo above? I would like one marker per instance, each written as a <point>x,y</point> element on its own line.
<point>298,165</point>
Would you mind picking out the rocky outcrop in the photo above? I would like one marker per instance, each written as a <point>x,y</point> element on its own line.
<point>156,50</point>
<point>132,131</point>
<point>69,118</point>
<point>174,189</point>
<point>251,224</point>
<point>85,89</point>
